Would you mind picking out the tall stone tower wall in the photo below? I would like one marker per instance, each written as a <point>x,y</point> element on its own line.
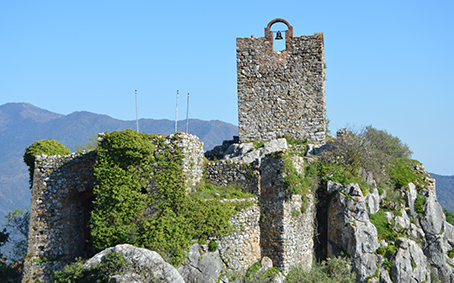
<point>281,92</point>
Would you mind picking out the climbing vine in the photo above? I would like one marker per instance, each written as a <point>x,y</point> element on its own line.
<point>141,198</point>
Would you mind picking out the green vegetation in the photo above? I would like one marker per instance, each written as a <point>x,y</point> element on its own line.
<point>385,230</point>
<point>155,213</point>
<point>17,222</point>
<point>254,274</point>
<point>48,147</point>
<point>298,183</point>
<point>336,270</point>
<point>11,266</point>
<point>401,172</point>
<point>449,216</point>
<point>209,191</point>
<point>90,145</point>
<point>112,264</point>
<point>212,246</point>
<point>386,143</point>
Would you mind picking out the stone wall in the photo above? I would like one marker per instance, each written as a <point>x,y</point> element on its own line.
<point>193,157</point>
<point>61,202</point>
<point>286,233</point>
<point>232,172</point>
<point>242,248</point>
<point>281,92</point>
<point>62,199</point>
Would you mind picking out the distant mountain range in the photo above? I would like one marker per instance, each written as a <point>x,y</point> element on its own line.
<point>21,124</point>
<point>445,190</point>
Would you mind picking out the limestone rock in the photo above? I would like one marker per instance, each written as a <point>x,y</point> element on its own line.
<point>411,197</point>
<point>142,259</point>
<point>409,263</point>
<point>433,217</point>
<point>275,145</point>
<point>373,201</point>
<point>200,267</point>
<point>332,186</point>
<point>383,271</point>
<point>127,278</point>
<point>350,230</point>
<point>245,151</point>
<point>449,233</point>
<point>402,221</point>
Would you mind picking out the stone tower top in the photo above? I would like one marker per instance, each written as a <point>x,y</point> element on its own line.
<point>281,92</point>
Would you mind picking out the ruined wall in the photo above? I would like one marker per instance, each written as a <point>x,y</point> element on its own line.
<point>242,248</point>
<point>232,172</point>
<point>193,157</point>
<point>61,202</point>
<point>286,233</point>
<point>281,92</point>
<point>62,199</point>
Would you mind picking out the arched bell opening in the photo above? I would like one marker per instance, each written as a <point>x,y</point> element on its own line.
<point>280,36</point>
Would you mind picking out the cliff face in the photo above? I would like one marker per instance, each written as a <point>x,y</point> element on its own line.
<point>390,235</point>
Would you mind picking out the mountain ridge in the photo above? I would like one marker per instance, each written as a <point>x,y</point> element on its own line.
<point>23,123</point>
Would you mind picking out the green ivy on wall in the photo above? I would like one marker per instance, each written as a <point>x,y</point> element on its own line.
<point>141,198</point>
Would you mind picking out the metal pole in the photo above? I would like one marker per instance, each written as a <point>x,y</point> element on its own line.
<point>137,114</point>
<point>187,117</point>
<point>176,112</point>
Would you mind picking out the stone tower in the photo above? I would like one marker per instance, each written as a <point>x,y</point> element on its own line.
<point>281,92</point>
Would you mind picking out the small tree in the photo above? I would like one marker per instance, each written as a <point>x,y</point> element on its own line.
<point>17,225</point>
<point>386,143</point>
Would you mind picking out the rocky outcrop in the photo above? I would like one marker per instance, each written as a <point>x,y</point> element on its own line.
<point>350,233</point>
<point>147,265</point>
<point>409,263</point>
<point>202,266</point>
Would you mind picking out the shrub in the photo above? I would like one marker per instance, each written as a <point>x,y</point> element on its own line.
<point>401,172</point>
<point>449,216</point>
<point>255,274</point>
<point>90,145</point>
<point>48,147</point>
<point>386,143</point>
<point>112,264</point>
<point>345,156</point>
<point>330,271</point>
<point>212,246</point>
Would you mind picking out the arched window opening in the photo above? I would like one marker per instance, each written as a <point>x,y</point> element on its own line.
<point>284,29</point>
<point>279,40</point>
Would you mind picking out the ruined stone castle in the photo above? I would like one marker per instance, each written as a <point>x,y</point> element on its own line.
<point>280,93</point>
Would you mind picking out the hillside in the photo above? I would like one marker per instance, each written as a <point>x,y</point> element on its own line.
<point>21,124</point>
<point>445,190</point>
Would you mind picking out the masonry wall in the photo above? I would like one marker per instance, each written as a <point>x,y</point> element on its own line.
<point>281,92</point>
<point>286,233</point>
<point>232,172</point>
<point>61,202</point>
<point>62,199</point>
<point>242,248</point>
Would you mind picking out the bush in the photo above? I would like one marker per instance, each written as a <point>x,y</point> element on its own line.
<point>212,246</point>
<point>48,147</point>
<point>346,155</point>
<point>386,143</point>
<point>112,264</point>
<point>90,145</point>
<point>255,274</point>
<point>336,270</point>
<point>449,216</point>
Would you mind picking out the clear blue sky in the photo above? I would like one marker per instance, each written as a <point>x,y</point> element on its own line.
<point>389,63</point>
